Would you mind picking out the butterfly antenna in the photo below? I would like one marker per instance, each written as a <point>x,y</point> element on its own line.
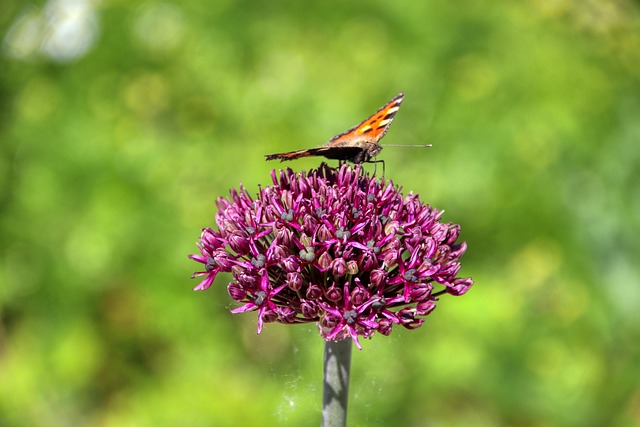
<point>407,145</point>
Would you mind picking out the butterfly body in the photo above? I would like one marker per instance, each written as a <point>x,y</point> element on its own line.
<point>358,144</point>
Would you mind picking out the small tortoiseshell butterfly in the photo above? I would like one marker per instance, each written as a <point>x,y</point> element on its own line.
<point>359,144</point>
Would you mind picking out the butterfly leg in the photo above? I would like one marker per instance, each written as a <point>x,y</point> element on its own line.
<point>375,165</point>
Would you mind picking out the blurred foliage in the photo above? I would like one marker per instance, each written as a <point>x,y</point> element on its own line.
<point>121,122</point>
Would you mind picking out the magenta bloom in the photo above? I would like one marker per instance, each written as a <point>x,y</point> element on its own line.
<point>333,246</point>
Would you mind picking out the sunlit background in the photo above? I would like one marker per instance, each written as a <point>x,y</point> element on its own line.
<point>121,122</point>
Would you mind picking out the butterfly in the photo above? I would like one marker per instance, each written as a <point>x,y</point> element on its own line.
<point>357,145</point>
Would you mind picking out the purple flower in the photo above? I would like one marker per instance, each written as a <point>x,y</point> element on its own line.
<point>333,246</point>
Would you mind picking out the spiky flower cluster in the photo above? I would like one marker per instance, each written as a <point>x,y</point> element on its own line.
<point>333,246</point>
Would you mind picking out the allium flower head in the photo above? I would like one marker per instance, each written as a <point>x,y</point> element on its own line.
<point>333,246</point>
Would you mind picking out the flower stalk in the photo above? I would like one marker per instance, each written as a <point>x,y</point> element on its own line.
<point>335,392</point>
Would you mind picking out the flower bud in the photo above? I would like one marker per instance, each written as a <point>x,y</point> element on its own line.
<point>211,240</point>
<point>458,250</point>
<point>324,233</point>
<point>287,199</point>
<point>406,315</point>
<point>428,268</point>
<point>442,254</point>
<point>452,234</point>
<point>223,260</point>
<point>285,236</point>
<point>415,237</point>
<point>378,277</point>
<point>309,309</point>
<point>309,222</point>
<point>390,258</point>
<point>244,279</point>
<point>291,263</point>
<point>333,293</point>
<point>439,232</point>
<point>415,324</point>
<point>305,240</point>
<point>239,242</point>
<point>449,270</point>
<point>425,307</point>
<point>391,228</point>
<point>384,326</point>
<point>302,186</point>
<point>366,262</point>
<point>348,251</point>
<point>352,267</point>
<point>314,292</point>
<point>359,295</point>
<point>339,267</point>
<point>430,247</point>
<point>460,286</point>
<point>236,292</point>
<point>286,314</point>
<point>420,292</point>
<point>294,281</point>
<point>269,316</point>
<point>329,321</point>
<point>279,252</point>
<point>324,262</point>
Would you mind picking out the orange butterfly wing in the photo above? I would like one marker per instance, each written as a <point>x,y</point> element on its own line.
<point>358,144</point>
<point>374,128</point>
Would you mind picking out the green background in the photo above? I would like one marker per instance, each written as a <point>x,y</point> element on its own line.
<point>121,122</point>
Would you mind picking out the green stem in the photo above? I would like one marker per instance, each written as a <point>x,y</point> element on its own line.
<point>337,367</point>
